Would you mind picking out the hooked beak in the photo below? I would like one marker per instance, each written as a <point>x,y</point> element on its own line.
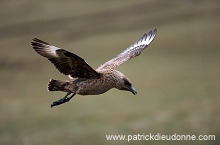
<point>133,91</point>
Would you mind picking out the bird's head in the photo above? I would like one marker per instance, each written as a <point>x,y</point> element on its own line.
<point>123,83</point>
<point>127,86</point>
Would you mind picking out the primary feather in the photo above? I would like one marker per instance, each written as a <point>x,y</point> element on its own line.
<point>66,62</point>
<point>132,51</point>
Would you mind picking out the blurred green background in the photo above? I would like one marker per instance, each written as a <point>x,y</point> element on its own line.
<point>177,77</point>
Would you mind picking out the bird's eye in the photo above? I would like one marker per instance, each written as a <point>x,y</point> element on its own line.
<point>127,83</point>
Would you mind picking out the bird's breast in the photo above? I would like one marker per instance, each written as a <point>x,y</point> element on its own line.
<point>95,86</point>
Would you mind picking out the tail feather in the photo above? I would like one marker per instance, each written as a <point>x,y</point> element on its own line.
<point>56,85</point>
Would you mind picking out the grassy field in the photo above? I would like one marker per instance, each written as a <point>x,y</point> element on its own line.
<point>177,77</point>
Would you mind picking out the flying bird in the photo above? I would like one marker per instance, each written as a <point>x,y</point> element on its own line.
<point>85,79</point>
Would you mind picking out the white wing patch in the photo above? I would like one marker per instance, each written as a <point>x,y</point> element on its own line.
<point>52,50</point>
<point>145,40</point>
<point>130,52</point>
<point>45,49</point>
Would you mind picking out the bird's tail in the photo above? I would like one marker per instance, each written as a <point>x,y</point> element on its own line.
<point>56,85</point>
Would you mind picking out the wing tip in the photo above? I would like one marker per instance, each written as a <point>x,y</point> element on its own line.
<point>36,40</point>
<point>151,35</point>
<point>44,48</point>
<point>154,31</point>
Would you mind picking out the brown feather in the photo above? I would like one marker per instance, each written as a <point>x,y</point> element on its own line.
<point>132,51</point>
<point>66,62</point>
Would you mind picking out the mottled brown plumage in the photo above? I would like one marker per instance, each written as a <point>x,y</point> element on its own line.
<point>87,80</point>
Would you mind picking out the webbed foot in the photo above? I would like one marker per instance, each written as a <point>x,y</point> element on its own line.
<point>63,100</point>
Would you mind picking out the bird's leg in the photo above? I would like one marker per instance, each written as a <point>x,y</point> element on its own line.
<point>63,100</point>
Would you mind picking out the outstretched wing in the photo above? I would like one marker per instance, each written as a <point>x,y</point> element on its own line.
<point>132,51</point>
<point>66,62</point>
